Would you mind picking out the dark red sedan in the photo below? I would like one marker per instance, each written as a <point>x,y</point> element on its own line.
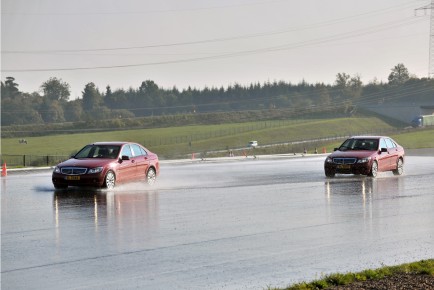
<point>104,164</point>
<point>366,155</point>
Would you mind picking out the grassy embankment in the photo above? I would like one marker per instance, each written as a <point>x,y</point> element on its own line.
<point>178,142</point>
<point>424,267</point>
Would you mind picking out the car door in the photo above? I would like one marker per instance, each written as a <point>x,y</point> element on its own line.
<point>127,167</point>
<point>383,157</point>
<point>141,160</point>
<point>393,153</point>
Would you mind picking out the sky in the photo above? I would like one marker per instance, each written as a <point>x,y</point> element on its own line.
<point>209,43</point>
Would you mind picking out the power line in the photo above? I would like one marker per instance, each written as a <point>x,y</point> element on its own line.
<point>319,41</point>
<point>213,40</point>
<point>430,7</point>
<point>143,12</point>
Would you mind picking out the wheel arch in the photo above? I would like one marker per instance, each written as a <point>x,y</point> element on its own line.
<point>152,167</point>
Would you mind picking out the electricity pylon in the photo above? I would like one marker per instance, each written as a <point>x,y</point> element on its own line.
<point>430,7</point>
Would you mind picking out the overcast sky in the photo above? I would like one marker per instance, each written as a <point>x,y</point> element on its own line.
<point>210,43</point>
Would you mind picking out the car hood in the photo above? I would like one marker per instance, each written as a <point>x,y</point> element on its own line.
<point>352,153</point>
<point>86,162</point>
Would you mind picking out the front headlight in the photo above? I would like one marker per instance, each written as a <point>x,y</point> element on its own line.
<point>95,170</point>
<point>364,160</point>
<point>56,169</point>
<point>329,160</point>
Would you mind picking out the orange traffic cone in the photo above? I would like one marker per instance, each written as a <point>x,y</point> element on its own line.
<point>324,150</point>
<point>4,170</point>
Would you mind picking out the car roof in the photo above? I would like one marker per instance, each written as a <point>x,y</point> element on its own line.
<point>368,137</point>
<point>112,143</point>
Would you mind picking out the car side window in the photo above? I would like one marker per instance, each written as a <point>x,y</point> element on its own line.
<point>126,151</point>
<point>143,151</point>
<point>136,150</point>
<point>390,143</point>
<point>383,144</point>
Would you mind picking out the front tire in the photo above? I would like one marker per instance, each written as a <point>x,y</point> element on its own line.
<point>329,173</point>
<point>110,180</point>
<point>399,167</point>
<point>151,176</point>
<point>374,169</point>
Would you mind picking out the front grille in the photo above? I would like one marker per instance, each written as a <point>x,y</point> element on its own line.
<point>73,170</point>
<point>344,160</point>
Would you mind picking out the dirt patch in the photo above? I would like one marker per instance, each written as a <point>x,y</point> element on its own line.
<point>394,282</point>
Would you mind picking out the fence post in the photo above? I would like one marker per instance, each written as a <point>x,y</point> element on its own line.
<point>24,160</point>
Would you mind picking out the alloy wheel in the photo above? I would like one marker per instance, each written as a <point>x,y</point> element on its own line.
<point>374,169</point>
<point>399,167</point>
<point>110,180</point>
<point>151,176</point>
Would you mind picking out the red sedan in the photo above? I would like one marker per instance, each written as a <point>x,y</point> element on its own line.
<point>104,164</point>
<point>366,155</point>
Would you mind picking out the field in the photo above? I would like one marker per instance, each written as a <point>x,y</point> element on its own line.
<point>179,142</point>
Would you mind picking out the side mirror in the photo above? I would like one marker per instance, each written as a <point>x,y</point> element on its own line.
<point>335,149</point>
<point>125,157</point>
<point>383,150</point>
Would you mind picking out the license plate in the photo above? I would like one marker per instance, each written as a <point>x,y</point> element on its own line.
<point>344,166</point>
<point>73,178</point>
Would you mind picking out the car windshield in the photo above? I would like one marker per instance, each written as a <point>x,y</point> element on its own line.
<point>359,144</point>
<point>99,151</point>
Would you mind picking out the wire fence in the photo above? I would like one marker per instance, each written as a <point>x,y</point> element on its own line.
<point>32,160</point>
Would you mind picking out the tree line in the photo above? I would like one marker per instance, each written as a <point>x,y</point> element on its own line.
<point>51,104</point>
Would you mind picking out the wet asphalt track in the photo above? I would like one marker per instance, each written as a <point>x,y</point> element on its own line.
<point>214,225</point>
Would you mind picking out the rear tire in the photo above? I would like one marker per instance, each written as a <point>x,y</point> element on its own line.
<point>110,180</point>
<point>374,169</point>
<point>60,186</point>
<point>151,176</point>
<point>399,167</point>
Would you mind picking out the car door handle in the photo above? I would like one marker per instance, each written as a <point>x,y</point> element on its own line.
<point>132,161</point>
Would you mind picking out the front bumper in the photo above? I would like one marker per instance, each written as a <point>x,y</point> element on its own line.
<point>96,180</point>
<point>356,168</point>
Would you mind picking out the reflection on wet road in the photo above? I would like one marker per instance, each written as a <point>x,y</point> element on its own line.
<point>214,225</point>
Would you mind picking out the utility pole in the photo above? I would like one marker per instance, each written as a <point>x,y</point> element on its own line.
<point>430,7</point>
